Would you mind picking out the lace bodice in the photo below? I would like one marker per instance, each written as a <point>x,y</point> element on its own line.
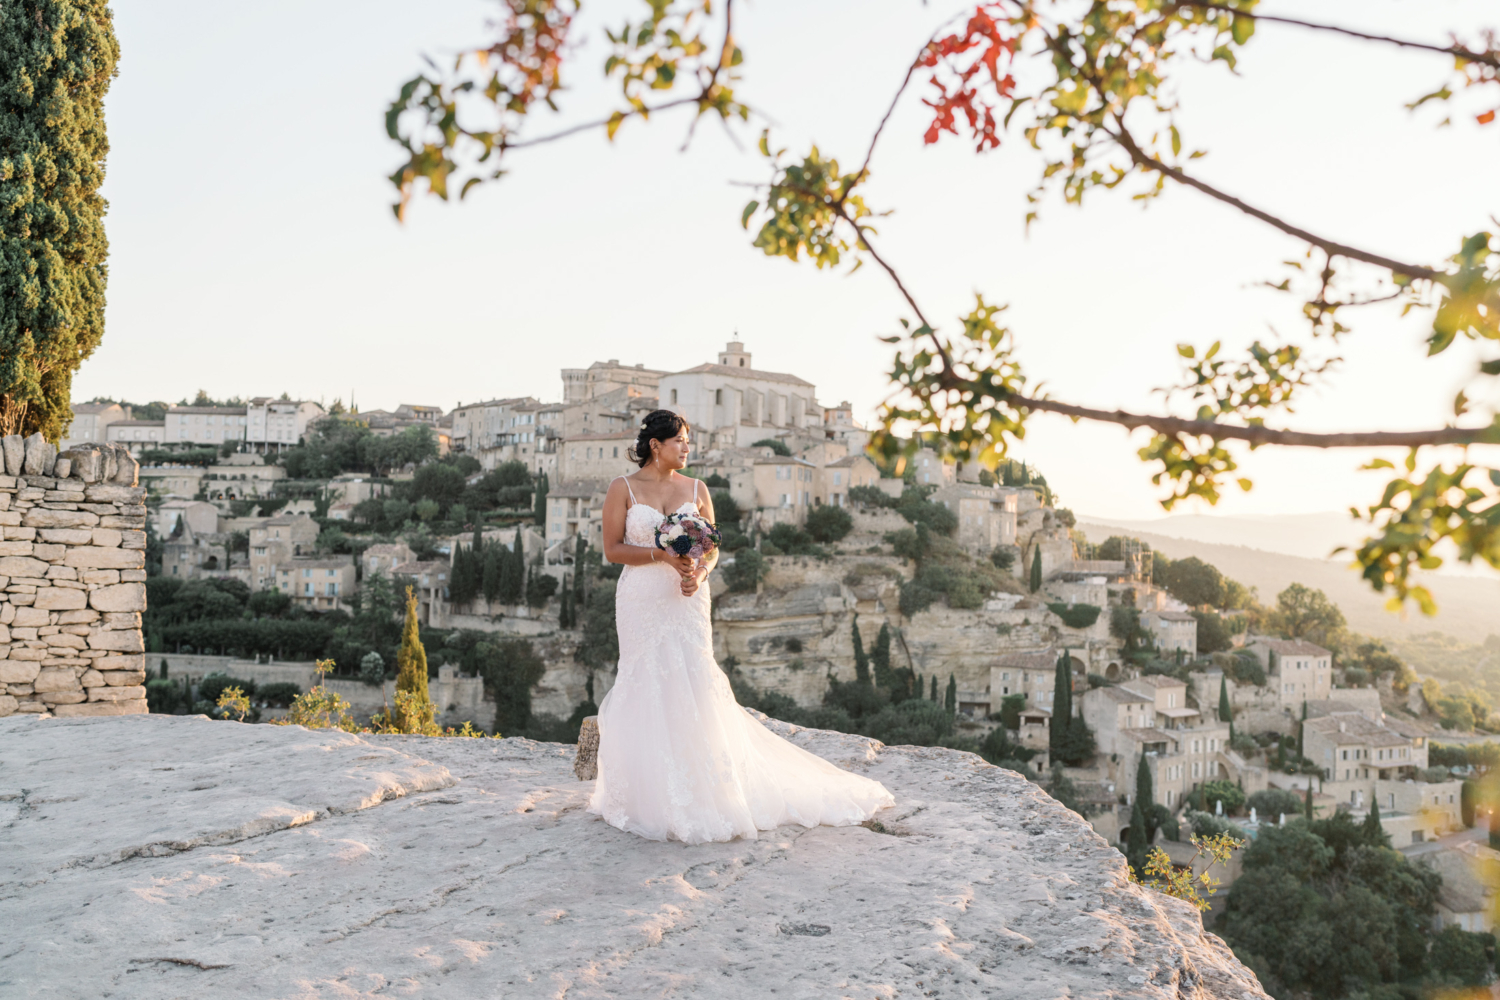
<point>641,530</point>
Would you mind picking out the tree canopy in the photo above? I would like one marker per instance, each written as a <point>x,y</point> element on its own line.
<point>57,58</point>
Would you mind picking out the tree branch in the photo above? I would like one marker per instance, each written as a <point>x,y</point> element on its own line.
<point>1258,435</point>
<point>575,129</point>
<point>1147,162</point>
<point>1458,51</point>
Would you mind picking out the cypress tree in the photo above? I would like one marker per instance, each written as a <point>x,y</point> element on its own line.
<point>918,692</point>
<point>489,573</point>
<point>1300,726</point>
<point>861,661</point>
<point>1036,571</point>
<point>1372,832</point>
<point>457,594</point>
<point>58,58</point>
<point>1136,844</point>
<point>933,695</point>
<point>413,714</point>
<point>565,612</point>
<point>1226,714</point>
<point>880,659</point>
<point>1307,805</point>
<point>950,697</point>
<point>1145,795</point>
<point>539,512</point>
<point>1062,708</point>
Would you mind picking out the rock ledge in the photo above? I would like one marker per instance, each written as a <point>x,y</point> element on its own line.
<point>150,856</point>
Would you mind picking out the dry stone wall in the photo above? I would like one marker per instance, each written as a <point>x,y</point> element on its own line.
<point>72,580</point>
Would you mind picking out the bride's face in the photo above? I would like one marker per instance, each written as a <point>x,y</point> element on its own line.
<point>673,452</point>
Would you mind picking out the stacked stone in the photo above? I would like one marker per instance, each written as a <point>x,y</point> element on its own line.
<point>72,580</point>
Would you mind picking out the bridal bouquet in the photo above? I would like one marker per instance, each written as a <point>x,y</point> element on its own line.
<point>687,535</point>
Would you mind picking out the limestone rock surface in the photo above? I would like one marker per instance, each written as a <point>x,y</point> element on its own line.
<point>151,856</point>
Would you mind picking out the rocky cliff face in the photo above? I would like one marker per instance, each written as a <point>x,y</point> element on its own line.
<point>150,856</point>
<point>814,602</point>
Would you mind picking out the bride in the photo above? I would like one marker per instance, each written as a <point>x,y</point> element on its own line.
<point>678,757</point>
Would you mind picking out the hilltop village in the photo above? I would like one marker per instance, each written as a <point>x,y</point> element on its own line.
<point>919,601</point>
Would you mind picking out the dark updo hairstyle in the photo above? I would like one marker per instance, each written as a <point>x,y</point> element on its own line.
<point>659,425</point>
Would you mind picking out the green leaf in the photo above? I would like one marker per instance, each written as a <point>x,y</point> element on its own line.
<point>613,125</point>
<point>1186,350</point>
<point>1176,142</point>
<point>1460,404</point>
<point>1242,28</point>
<point>1495,476</point>
<point>749,211</point>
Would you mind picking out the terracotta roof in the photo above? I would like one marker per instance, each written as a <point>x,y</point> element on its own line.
<point>1155,681</point>
<point>302,562</point>
<point>92,407</point>
<point>750,373</point>
<point>1356,729</point>
<point>850,460</point>
<point>1124,696</point>
<point>616,436</point>
<point>1291,647</point>
<point>783,460</point>
<point>138,423</point>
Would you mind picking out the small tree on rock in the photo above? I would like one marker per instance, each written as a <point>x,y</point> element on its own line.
<point>1036,571</point>
<point>414,711</point>
<point>861,661</point>
<point>950,697</point>
<point>880,658</point>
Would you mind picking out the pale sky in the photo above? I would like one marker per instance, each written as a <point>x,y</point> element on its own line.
<point>253,250</point>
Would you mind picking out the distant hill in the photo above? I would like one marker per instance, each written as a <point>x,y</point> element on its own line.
<point>1469,606</point>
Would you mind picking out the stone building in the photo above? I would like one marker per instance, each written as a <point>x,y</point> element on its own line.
<point>1381,760</point>
<point>205,425</point>
<point>1173,632</point>
<point>275,541</point>
<point>91,421</point>
<point>596,456</point>
<point>384,559</point>
<point>188,554</point>
<point>137,435</point>
<point>733,404</point>
<point>202,516</point>
<point>986,514</point>
<point>605,377</point>
<point>429,581</point>
<point>574,507</point>
<point>834,480</point>
<point>279,423</point>
<point>1299,670</point>
<point>317,583</point>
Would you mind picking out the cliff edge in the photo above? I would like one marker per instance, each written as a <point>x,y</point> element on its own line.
<point>152,856</point>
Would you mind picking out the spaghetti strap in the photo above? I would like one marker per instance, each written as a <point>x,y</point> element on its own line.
<point>633,500</point>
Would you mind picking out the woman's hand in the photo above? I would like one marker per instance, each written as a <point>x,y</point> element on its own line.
<point>690,581</point>
<point>682,564</point>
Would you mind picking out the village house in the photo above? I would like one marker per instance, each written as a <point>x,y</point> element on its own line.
<point>384,559</point>
<point>188,554</point>
<point>1173,632</point>
<point>574,507</point>
<point>275,541</point>
<point>986,514</point>
<point>429,581</point>
<point>317,583</point>
<point>205,425</point>
<point>833,481</point>
<point>597,456</point>
<point>201,516</point>
<point>91,421</point>
<point>278,423</point>
<point>1367,761</point>
<point>605,377</point>
<point>1297,670</point>
<point>137,435</point>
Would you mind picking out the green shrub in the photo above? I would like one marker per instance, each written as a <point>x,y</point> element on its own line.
<point>872,496</point>
<point>1004,557</point>
<point>280,694</point>
<point>779,447</point>
<point>1272,802</point>
<point>1232,795</point>
<point>163,697</point>
<point>745,573</point>
<point>1206,824</point>
<point>1435,774</point>
<point>213,685</point>
<point>829,524</point>
<point>1076,615</point>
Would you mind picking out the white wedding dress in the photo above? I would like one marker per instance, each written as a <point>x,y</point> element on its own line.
<point>679,758</point>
